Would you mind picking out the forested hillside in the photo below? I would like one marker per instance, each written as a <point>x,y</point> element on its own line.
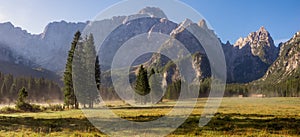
<point>39,89</point>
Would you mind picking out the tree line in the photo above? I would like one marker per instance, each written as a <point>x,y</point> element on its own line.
<point>39,89</point>
<point>286,88</point>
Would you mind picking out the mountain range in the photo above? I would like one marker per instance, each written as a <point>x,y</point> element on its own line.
<point>254,57</point>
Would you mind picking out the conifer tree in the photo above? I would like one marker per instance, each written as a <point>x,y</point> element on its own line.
<point>69,95</point>
<point>142,84</point>
<point>90,60</point>
<point>97,73</point>
<point>155,86</point>
<point>21,101</point>
<point>85,66</point>
<point>12,91</point>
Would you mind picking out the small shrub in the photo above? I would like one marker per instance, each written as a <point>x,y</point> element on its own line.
<point>35,108</point>
<point>28,107</point>
<point>56,107</point>
<point>22,105</point>
<point>9,110</point>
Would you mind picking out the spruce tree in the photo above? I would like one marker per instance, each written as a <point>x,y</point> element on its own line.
<point>97,73</point>
<point>3,91</point>
<point>21,101</point>
<point>142,84</point>
<point>23,94</point>
<point>12,91</point>
<point>80,73</point>
<point>155,86</point>
<point>85,68</point>
<point>91,68</point>
<point>69,96</point>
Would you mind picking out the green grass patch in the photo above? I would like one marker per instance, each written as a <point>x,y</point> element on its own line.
<point>236,117</point>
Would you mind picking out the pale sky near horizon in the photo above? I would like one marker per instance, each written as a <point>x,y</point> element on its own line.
<point>230,19</point>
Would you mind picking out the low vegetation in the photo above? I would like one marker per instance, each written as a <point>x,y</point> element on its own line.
<point>235,117</point>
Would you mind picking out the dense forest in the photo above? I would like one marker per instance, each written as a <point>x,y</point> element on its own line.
<point>39,89</point>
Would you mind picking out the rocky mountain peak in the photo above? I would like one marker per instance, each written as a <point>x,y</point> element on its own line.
<point>153,12</point>
<point>182,26</point>
<point>261,44</point>
<point>259,38</point>
<point>186,23</point>
<point>297,34</point>
<point>7,25</point>
<point>202,24</point>
<point>62,27</point>
<point>288,62</point>
<point>262,29</point>
<point>227,43</point>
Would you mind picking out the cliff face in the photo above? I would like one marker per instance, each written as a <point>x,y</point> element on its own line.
<point>246,61</point>
<point>261,44</point>
<point>249,58</point>
<point>47,50</point>
<point>287,64</point>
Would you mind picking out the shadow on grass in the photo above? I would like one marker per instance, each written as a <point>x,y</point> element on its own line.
<point>237,124</point>
<point>157,107</point>
<point>240,124</point>
<point>45,125</point>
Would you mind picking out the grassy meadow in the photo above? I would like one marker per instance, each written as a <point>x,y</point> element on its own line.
<point>235,117</point>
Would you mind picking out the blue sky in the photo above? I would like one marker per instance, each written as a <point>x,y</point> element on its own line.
<point>230,19</point>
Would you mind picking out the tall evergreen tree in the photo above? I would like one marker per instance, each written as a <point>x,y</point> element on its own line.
<point>23,94</point>
<point>12,92</point>
<point>90,60</point>
<point>80,73</point>
<point>142,84</point>
<point>69,95</point>
<point>155,86</point>
<point>85,68</point>
<point>21,101</point>
<point>97,73</point>
<point>3,91</point>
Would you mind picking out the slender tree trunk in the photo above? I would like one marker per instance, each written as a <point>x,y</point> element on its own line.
<point>90,104</point>
<point>76,103</point>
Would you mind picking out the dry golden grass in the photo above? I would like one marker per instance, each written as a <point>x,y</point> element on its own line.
<point>236,117</point>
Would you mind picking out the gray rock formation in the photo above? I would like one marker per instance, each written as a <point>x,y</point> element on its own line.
<point>287,64</point>
<point>48,50</point>
<point>262,45</point>
<point>249,58</point>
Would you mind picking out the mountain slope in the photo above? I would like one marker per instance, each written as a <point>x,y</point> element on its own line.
<point>19,70</point>
<point>249,58</point>
<point>48,50</point>
<point>19,66</point>
<point>262,45</point>
<point>287,65</point>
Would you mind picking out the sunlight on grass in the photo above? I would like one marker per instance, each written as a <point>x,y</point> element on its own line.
<point>236,117</point>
